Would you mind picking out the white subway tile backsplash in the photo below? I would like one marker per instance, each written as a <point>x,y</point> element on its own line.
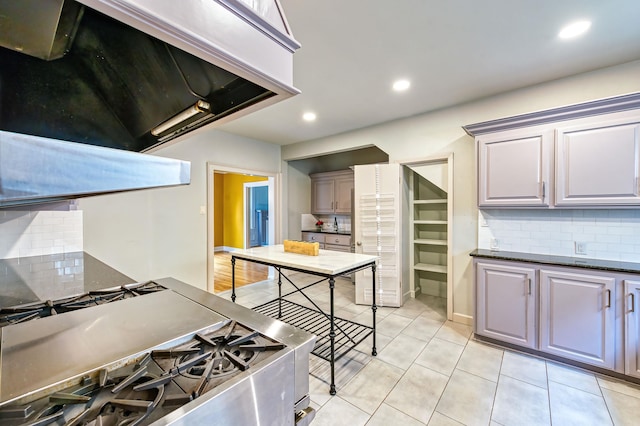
<point>39,232</point>
<point>608,234</point>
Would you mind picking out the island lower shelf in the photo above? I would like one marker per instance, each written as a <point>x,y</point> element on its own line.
<point>349,334</point>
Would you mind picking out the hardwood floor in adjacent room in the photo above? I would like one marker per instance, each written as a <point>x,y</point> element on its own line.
<point>246,272</point>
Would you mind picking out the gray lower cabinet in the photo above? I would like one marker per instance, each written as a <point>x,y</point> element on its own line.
<point>573,313</point>
<point>505,303</point>
<point>577,316</point>
<point>314,237</point>
<point>632,327</point>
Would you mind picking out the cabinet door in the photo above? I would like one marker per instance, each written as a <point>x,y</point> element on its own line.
<point>322,196</point>
<point>337,247</point>
<point>632,328</point>
<point>313,237</point>
<point>598,164</point>
<point>514,169</point>
<point>505,303</point>
<point>577,317</point>
<point>343,190</point>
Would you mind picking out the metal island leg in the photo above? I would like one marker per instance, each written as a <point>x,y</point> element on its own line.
<point>279,293</point>
<point>233,279</point>
<point>332,337</point>
<point>374,308</point>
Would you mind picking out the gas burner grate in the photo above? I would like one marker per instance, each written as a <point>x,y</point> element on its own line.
<point>31,311</point>
<point>208,359</point>
<point>119,398</point>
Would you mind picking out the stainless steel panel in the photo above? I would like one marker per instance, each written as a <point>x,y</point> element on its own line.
<point>35,169</point>
<point>264,398</point>
<point>46,352</point>
<point>302,341</point>
<point>44,29</point>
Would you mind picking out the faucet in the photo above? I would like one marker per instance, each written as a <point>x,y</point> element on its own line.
<point>335,224</point>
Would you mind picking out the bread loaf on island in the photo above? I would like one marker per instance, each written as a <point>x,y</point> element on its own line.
<point>302,247</point>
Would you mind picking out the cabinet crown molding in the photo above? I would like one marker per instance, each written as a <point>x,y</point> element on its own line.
<point>568,112</point>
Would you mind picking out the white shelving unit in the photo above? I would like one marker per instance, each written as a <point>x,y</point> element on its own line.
<point>428,250</point>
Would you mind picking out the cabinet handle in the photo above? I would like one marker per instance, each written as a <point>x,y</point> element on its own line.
<point>544,190</point>
<point>529,285</point>
<point>608,298</point>
<point>332,205</point>
<point>633,302</point>
<point>336,205</point>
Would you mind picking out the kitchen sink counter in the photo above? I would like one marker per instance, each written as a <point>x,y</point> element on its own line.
<point>55,276</point>
<point>327,231</point>
<point>580,262</point>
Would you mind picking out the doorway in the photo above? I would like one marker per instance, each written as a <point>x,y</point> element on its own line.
<point>256,214</point>
<point>430,216</point>
<point>232,221</point>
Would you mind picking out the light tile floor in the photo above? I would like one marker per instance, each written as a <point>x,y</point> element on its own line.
<point>430,371</point>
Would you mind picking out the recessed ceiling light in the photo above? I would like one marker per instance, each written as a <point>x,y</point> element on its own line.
<point>401,85</point>
<point>309,116</point>
<point>574,30</point>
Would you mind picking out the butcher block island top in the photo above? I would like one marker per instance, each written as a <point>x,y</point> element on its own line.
<point>328,262</point>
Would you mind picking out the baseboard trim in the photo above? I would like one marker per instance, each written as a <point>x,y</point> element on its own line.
<point>462,319</point>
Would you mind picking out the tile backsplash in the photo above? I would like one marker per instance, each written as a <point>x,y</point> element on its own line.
<point>308,222</point>
<point>38,232</point>
<point>601,234</point>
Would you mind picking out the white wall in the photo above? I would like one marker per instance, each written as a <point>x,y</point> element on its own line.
<point>39,230</point>
<point>160,232</point>
<point>441,132</point>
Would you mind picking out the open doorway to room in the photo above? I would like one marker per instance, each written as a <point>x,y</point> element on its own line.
<point>241,208</point>
<point>256,219</point>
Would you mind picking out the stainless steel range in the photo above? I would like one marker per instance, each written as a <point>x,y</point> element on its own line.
<point>175,355</point>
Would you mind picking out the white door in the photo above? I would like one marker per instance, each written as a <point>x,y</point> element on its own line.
<point>378,220</point>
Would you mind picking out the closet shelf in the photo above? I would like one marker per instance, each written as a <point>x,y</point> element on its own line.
<point>430,222</point>
<point>430,242</point>
<point>427,267</point>
<point>430,201</point>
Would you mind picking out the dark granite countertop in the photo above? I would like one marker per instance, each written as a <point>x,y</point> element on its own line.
<point>327,231</point>
<point>579,262</point>
<point>51,277</point>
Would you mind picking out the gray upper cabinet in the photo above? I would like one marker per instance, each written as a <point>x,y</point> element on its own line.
<point>322,191</point>
<point>331,192</point>
<point>584,155</point>
<point>514,168</point>
<point>598,163</point>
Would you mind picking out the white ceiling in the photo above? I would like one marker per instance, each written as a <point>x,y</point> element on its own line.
<point>453,51</point>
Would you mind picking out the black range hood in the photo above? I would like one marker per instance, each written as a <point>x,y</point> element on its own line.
<point>113,86</point>
<point>86,86</point>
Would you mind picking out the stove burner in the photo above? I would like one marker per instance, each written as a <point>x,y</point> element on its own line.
<point>108,401</point>
<point>150,388</point>
<point>212,357</point>
<point>30,311</point>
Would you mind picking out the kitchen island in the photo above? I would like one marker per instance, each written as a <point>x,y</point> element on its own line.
<point>327,265</point>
